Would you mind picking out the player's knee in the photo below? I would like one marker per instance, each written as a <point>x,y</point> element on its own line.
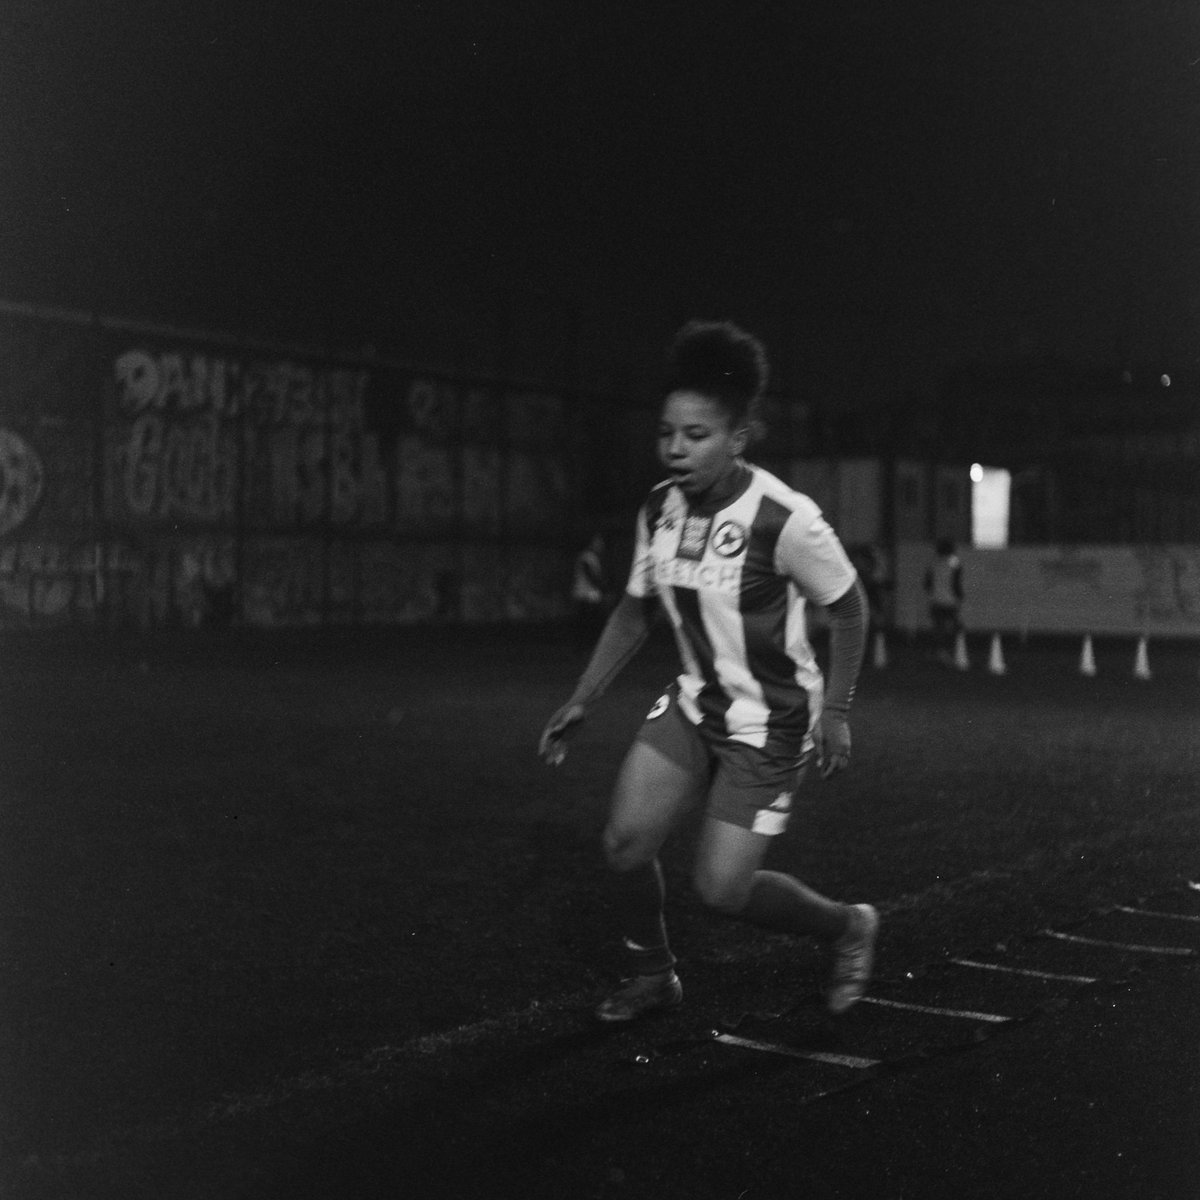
<point>625,849</point>
<point>722,892</point>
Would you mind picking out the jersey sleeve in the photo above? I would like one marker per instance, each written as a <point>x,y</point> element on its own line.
<point>641,572</point>
<point>811,556</point>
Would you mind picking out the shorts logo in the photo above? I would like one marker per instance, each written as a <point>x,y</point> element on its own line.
<point>659,707</point>
<point>694,538</point>
<point>730,539</point>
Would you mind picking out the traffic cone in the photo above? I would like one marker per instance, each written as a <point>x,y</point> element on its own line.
<point>996,659</point>
<point>961,661</point>
<point>880,654</point>
<point>1087,661</point>
<point>1141,662</point>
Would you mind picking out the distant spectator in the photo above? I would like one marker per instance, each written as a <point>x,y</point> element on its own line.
<point>944,587</point>
<point>874,570</point>
<point>588,592</point>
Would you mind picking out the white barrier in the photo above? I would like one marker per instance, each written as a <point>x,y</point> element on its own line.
<point>1140,591</point>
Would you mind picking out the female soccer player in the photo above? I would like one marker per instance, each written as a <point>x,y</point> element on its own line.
<point>731,554</point>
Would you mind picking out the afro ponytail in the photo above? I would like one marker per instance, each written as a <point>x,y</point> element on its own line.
<point>720,360</point>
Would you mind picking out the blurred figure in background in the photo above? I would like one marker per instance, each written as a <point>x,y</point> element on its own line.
<point>588,593</point>
<point>875,573</point>
<point>944,588</point>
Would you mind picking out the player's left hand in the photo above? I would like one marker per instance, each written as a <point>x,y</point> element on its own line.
<point>833,744</point>
<point>552,746</point>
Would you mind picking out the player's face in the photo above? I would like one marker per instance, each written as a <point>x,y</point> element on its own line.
<point>696,441</point>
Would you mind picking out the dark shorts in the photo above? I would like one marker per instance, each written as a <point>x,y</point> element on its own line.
<point>748,786</point>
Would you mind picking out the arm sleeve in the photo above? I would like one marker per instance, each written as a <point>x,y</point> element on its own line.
<point>847,642</point>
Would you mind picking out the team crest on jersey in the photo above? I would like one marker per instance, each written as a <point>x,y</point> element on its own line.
<point>730,539</point>
<point>694,537</point>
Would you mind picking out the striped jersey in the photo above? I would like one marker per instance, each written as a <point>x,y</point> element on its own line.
<point>734,582</point>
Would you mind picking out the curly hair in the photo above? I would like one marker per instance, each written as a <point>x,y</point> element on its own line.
<point>720,360</point>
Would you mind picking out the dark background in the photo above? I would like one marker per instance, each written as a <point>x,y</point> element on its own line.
<point>882,190</point>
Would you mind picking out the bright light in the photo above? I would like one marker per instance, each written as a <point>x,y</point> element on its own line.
<point>989,506</point>
<point>1165,380</point>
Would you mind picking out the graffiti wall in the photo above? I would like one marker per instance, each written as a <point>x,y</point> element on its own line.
<point>151,478</point>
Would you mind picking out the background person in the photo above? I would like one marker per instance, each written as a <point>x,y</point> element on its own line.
<point>730,553</point>
<point>588,592</point>
<point>944,589</point>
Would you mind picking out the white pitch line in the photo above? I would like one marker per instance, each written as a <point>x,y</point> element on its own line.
<point>938,1012</point>
<point>1182,951</point>
<point>970,962</point>
<point>1148,912</point>
<point>836,1060</point>
<point>383,1058</point>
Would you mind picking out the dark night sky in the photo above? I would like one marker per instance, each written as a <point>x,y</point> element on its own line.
<point>882,189</point>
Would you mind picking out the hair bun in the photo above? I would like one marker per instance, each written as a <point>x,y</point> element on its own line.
<point>717,358</point>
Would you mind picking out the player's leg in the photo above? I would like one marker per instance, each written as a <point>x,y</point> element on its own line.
<point>749,803</point>
<point>729,878</point>
<point>662,776</point>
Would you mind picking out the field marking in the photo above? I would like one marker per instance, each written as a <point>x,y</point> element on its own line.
<point>1149,912</point>
<point>375,1061</point>
<point>1182,951</point>
<point>970,962</point>
<point>836,1060</point>
<point>965,1014</point>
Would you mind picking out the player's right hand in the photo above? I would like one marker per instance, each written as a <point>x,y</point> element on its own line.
<point>552,746</point>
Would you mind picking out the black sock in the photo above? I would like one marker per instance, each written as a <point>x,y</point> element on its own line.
<point>638,895</point>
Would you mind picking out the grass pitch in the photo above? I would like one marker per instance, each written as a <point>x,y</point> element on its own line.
<point>259,889</point>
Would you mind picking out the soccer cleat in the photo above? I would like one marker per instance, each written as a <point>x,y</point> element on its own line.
<point>640,995</point>
<point>853,958</point>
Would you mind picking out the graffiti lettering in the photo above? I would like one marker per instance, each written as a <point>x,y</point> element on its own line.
<point>184,470</point>
<point>280,392</point>
<point>45,579</point>
<point>285,584</point>
<point>424,485</point>
<point>297,474</point>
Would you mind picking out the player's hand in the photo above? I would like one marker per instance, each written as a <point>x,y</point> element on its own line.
<point>833,744</point>
<point>552,746</point>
